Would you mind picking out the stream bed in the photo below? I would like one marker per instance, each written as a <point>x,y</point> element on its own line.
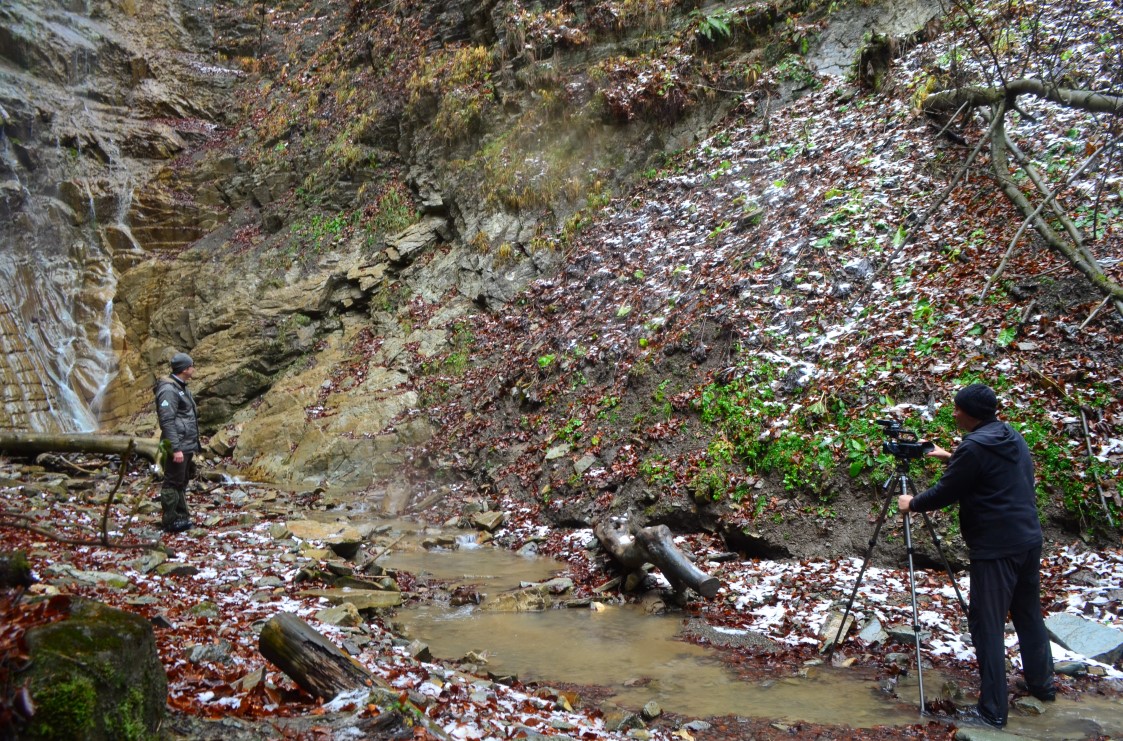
<point>639,657</point>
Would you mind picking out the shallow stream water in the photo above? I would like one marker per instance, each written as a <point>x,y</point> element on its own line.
<point>637,656</point>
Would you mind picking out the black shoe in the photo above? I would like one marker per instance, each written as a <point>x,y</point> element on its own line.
<point>180,525</point>
<point>973,716</point>
<point>1044,694</point>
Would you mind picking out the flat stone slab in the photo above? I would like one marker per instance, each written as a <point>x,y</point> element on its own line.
<point>329,532</point>
<point>489,521</point>
<point>1085,637</point>
<point>362,599</point>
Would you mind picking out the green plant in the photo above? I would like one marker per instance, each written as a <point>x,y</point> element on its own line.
<point>663,406</point>
<point>545,361</point>
<point>571,430</point>
<point>793,68</point>
<point>711,27</point>
<point>719,229</point>
<point>712,479</point>
<point>657,470</point>
<point>723,168</point>
<point>457,362</point>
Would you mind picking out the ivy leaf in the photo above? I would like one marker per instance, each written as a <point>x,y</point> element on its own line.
<point>900,237</point>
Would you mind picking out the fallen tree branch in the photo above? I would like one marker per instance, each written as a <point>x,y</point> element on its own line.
<point>48,460</point>
<point>36,442</point>
<point>632,547</point>
<point>1094,312</point>
<point>122,469</point>
<point>151,545</point>
<point>320,667</point>
<point>978,96</point>
<point>1090,269</point>
<point>1095,478</point>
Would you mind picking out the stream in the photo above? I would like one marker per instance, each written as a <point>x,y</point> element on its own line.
<point>638,657</point>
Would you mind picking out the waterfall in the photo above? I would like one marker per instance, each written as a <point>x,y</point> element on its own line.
<point>106,358</point>
<point>57,281</point>
<point>77,95</point>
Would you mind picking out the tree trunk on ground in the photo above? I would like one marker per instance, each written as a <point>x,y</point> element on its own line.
<point>633,547</point>
<point>35,442</point>
<point>310,659</point>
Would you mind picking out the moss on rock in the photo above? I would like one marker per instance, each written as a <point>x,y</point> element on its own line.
<point>95,675</point>
<point>65,711</point>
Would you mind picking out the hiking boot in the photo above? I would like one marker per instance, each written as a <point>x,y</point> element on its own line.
<point>973,716</point>
<point>180,525</point>
<point>1044,694</point>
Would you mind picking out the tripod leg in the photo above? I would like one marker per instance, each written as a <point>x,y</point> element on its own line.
<point>943,556</point>
<point>915,615</point>
<point>869,554</point>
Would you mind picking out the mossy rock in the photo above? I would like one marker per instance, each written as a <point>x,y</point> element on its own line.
<point>95,675</point>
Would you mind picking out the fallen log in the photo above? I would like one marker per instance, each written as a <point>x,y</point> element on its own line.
<point>310,659</point>
<point>632,547</point>
<point>38,442</point>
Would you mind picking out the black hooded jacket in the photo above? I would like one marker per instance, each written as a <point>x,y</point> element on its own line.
<point>990,474</point>
<point>177,414</point>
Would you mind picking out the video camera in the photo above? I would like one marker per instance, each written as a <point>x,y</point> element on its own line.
<point>903,444</point>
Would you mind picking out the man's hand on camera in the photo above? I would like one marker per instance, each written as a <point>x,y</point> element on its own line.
<point>938,452</point>
<point>903,503</point>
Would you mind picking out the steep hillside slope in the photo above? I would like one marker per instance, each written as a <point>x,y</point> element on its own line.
<point>636,257</point>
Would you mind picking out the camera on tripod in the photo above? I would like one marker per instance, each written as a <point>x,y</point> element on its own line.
<point>903,444</point>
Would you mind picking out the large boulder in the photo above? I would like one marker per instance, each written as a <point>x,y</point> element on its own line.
<point>1085,637</point>
<point>94,675</point>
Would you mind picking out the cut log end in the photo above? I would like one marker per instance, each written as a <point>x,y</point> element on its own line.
<point>316,664</point>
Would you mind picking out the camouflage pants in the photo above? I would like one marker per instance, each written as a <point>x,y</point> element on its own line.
<point>174,503</point>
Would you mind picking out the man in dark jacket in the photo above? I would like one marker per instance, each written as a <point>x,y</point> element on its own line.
<point>179,425</point>
<point>991,476</point>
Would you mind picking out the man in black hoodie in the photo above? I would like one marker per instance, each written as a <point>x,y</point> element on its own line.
<point>990,474</point>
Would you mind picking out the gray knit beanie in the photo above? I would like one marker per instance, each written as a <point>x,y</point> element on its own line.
<point>978,401</point>
<point>181,361</point>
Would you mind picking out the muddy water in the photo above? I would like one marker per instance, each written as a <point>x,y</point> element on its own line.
<point>637,656</point>
<point>491,569</point>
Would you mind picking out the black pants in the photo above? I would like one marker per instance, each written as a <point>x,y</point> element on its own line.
<point>173,494</point>
<point>179,475</point>
<point>1000,587</point>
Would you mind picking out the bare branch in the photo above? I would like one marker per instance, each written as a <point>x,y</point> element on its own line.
<point>149,545</point>
<point>978,96</point>
<point>123,469</point>
<point>1090,269</point>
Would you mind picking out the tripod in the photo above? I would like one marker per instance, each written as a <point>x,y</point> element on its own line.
<point>897,484</point>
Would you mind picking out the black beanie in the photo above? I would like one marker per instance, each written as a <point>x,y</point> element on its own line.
<point>181,361</point>
<point>978,401</point>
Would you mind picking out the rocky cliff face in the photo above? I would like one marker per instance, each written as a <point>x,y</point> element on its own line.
<point>130,150</point>
<point>95,97</point>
